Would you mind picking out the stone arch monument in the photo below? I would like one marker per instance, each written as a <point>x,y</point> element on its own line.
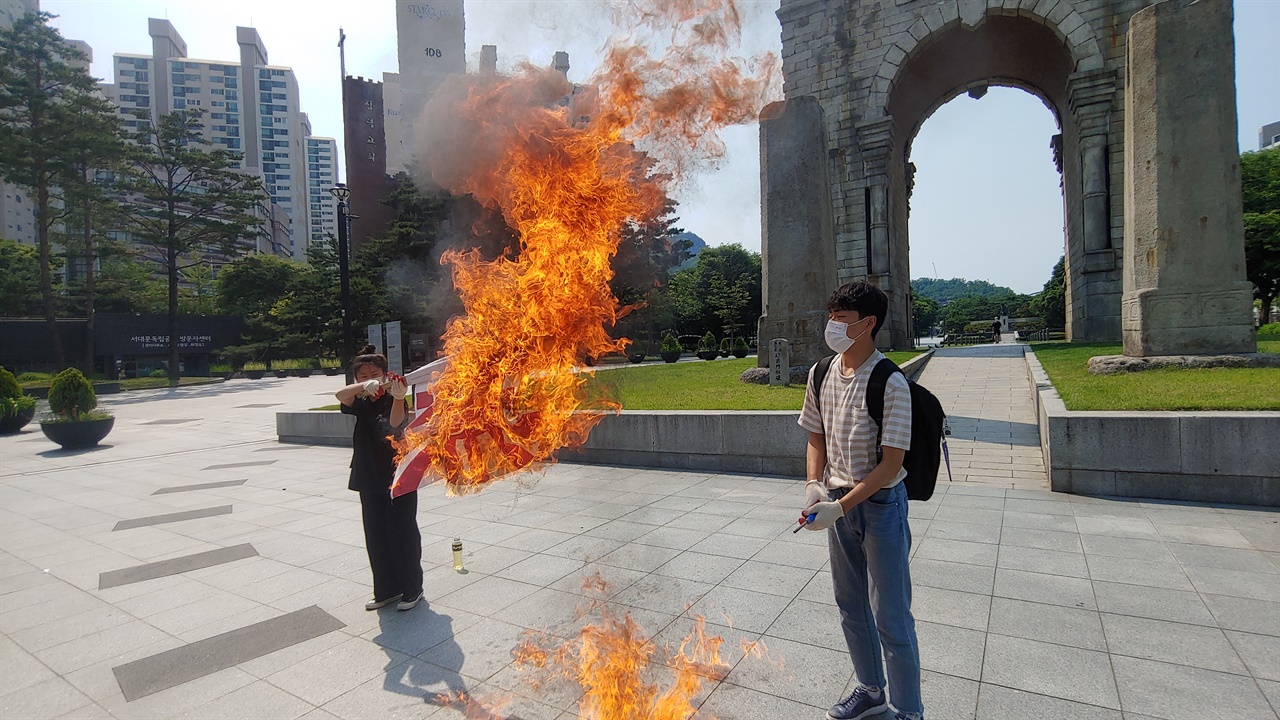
<point>862,76</point>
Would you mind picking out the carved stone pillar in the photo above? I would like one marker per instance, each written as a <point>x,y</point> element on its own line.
<point>875,140</point>
<point>1091,98</point>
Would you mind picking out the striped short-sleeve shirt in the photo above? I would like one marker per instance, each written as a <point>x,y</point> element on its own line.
<point>850,431</point>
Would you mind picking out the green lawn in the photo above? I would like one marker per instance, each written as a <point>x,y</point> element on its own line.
<point>711,385</point>
<point>1166,389</point>
<point>145,383</point>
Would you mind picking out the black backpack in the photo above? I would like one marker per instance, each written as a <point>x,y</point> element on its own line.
<point>928,426</point>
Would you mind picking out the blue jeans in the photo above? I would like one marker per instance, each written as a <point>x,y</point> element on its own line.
<point>869,550</point>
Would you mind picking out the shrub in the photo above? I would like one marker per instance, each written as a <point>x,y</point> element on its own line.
<point>740,345</point>
<point>639,347</point>
<point>1270,329</point>
<point>28,377</point>
<point>284,364</point>
<point>670,344</point>
<point>724,345</point>
<point>707,343</point>
<point>220,368</point>
<point>307,363</point>
<point>254,365</point>
<point>9,384</point>
<point>330,363</point>
<point>72,394</point>
<point>13,407</point>
<point>158,374</point>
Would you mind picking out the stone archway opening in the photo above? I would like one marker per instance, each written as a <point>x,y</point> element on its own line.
<point>985,194</point>
<point>1005,51</point>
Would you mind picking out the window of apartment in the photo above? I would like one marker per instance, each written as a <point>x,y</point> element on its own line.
<point>179,104</point>
<point>279,96</point>
<point>264,108</point>
<point>215,91</point>
<point>230,82</point>
<point>232,95</point>
<point>141,76</point>
<point>193,66</point>
<point>217,103</point>
<point>141,89</point>
<point>216,79</point>
<point>277,73</point>
<point>233,107</point>
<point>176,66</point>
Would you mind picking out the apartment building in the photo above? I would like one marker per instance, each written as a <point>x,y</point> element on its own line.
<point>322,174</point>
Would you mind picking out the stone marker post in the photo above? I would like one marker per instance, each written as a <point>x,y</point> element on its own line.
<point>797,245</point>
<point>779,362</point>
<point>1185,290</point>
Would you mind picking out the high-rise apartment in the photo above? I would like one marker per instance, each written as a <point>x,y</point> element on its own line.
<point>252,108</point>
<point>322,174</point>
<point>17,209</point>
<point>430,46</point>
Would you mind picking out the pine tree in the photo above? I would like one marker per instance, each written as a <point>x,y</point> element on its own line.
<point>191,204</point>
<point>49,106</point>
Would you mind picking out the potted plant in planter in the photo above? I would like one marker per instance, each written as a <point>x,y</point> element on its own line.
<point>671,349</point>
<point>254,370</point>
<point>283,368</point>
<point>724,348</point>
<point>707,347</point>
<point>306,366</point>
<point>331,366</point>
<point>637,351</point>
<point>740,349</point>
<point>222,370</point>
<point>16,407</point>
<point>74,423</point>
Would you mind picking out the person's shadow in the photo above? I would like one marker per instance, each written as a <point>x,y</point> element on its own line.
<point>427,633</point>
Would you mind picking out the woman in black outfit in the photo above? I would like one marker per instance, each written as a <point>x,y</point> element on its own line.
<point>391,533</point>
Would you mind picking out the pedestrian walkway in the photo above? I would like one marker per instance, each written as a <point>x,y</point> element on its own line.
<point>197,569</point>
<point>995,439</point>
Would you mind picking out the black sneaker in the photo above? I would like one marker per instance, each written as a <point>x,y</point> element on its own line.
<point>375,603</point>
<point>410,603</point>
<point>859,704</point>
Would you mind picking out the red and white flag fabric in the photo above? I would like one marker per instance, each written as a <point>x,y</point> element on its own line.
<point>414,464</point>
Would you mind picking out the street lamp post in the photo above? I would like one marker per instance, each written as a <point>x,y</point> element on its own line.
<point>342,193</point>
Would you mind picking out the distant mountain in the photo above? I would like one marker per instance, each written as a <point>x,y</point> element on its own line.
<point>947,290</point>
<point>696,246</point>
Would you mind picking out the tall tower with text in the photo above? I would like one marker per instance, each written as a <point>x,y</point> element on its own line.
<point>431,47</point>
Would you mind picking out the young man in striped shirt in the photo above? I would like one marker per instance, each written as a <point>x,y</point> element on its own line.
<point>857,496</point>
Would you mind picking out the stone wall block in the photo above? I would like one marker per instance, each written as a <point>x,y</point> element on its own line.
<point>1232,444</point>
<point>1142,442</point>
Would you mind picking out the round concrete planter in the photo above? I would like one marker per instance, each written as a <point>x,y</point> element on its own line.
<point>82,434</point>
<point>636,358</point>
<point>282,373</point>
<point>304,372</point>
<point>740,353</point>
<point>9,426</point>
<point>332,371</point>
<point>708,354</point>
<point>670,357</point>
<point>255,374</point>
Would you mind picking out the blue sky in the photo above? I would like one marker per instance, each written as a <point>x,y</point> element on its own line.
<point>986,203</point>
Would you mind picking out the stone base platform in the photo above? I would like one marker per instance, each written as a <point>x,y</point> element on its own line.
<point>1114,364</point>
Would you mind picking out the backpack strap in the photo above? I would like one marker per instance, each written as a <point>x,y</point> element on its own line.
<point>820,370</point>
<point>875,397</point>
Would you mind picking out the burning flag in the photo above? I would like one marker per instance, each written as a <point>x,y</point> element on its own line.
<point>567,167</point>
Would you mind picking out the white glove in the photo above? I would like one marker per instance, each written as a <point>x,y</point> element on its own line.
<point>815,493</point>
<point>372,388</point>
<point>398,388</point>
<point>827,514</point>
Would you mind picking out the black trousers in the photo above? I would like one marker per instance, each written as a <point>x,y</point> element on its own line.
<point>394,543</point>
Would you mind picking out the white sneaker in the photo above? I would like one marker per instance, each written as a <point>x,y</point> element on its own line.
<point>375,604</point>
<point>410,603</point>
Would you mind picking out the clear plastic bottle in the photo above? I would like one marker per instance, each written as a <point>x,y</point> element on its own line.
<point>457,554</point>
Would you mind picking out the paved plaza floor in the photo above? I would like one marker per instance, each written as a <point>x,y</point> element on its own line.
<point>194,568</point>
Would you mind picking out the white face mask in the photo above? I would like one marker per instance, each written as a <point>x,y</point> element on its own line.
<point>837,336</point>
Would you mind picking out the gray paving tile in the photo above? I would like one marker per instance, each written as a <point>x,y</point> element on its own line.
<point>740,703</point>
<point>819,589</point>
<point>808,674</point>
<point>417,631</point>
<point>540,569</point>
<point>1041,521</point>
<point>801,555</point>
<point>730,545</point>
<point>1044,507</point>
<point>228,466</point>
<point>809,622</point>
<point>644,558</point>
<point>1002,703</point>
<point>1217,581</point>
<point>1129,548</point>
<point>1040,539</point>
<point>1139,572</point>
<point>744,610</point>
<point>170,421</point>
<point>952,575</point>
<point>663,594</point>
<point>264,699</point>
<point>199,486</point>
<point>488,595</point>
<point>1221,537</point>
<point>1176,692</point>
<point>950,607</point>
<point>1271,689</point>
<point>1057,671</point>
<point>972,532</point>
<point>336,670</point>
<point>172,517</point>
<point>947,696</point>
<point>183,664</point>
<point>1049,562</point>
<point>959,551</point>
<point>769,578</point>
<point>949,650</point>
<point>1038,587</point>
<point>1177,643</point>
<point>1154,603</point>
<point>173,566</point>
<point>702,567</point>
<point>1125,527</point>
<point>1047,623</point>
<point>1261,653</point>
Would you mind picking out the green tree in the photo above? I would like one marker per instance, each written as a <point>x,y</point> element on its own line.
<point>925,313</point>
<point>720,293</point>
<point>1051,304</point>
<point>1260,173</point>
<point>648,251</point>
<point>190,202</point>
<point>124,283</point>
<point>947,290</point>
<point>251,288</point>
<point>20,281</point>
<point>49,105</point>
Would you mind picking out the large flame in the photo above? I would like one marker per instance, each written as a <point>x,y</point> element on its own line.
<point>566,167</point>
<point>619,668</point>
